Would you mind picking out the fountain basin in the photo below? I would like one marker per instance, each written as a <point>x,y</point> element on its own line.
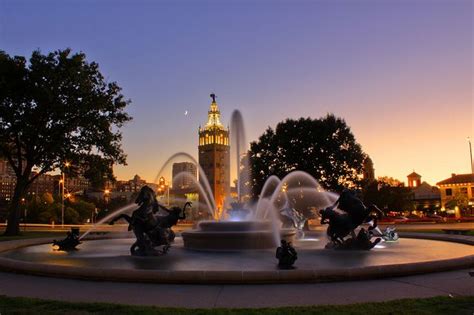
<point>234,235</point>
<point>109,260</point>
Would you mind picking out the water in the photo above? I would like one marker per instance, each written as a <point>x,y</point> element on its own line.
<point>297,189</point>
<point>202,177</point>
<point>209,205</point>
<point>239,148</point>
<point>109,217</point>
<point>268,189</point>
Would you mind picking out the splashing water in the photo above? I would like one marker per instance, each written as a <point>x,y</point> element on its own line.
<point>209,206</point>
<point>202,176</point>
<point>109,217</point>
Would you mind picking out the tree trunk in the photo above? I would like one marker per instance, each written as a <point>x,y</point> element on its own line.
<point>13,226</point>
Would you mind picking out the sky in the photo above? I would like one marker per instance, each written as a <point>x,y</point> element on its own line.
<point>399,72</point>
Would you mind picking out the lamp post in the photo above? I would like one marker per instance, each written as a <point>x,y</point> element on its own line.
<point>63,180</point>
<point>106,199</point>
<point>470,154</point>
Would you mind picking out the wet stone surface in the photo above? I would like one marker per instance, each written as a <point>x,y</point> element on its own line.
<point>115,254</point>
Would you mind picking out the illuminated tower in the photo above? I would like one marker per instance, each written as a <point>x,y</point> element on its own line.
<point>214,155</point>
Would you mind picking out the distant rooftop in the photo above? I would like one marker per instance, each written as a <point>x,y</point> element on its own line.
<point>458,179</point>
<point>413,174</point>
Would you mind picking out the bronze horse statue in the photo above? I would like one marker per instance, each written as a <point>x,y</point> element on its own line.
<point>343,223</point>
<point>151,230</point>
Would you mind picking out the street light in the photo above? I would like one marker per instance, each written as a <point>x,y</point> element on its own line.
<point>63,181</point>
<point>470,153</point>
<point>106,198</point>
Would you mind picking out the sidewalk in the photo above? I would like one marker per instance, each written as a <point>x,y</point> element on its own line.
<point>241,296</point>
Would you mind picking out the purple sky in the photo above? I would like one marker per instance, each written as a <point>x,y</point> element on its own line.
<point>399,72</point>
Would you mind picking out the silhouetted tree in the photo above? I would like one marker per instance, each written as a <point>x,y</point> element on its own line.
<point>55,108</point>
<point>324,148</point>
<point>388,194</point>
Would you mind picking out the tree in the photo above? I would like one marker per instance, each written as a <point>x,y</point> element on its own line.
<point>324,148</point>
<point>388,194</point>
<point>459,200</point>
<point>55,108</point>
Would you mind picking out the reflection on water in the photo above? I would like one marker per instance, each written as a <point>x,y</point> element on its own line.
<point>115,254</point>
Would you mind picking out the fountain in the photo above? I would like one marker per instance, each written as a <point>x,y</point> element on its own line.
<point>258,226</point>
<point>238,245</point>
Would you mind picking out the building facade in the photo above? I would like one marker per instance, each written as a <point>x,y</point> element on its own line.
<point>214,156</point>
<point>184,175</point>
<point>45,183</point>
<point>414,179</point>
<point>426,197</point>
<point>457,193</point>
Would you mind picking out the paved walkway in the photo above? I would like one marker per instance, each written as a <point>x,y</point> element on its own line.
<point>211,296</point>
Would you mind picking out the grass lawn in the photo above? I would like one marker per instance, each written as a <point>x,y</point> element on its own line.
<point>32,234</point>
<point>437,305</point>
<point>439,231</point>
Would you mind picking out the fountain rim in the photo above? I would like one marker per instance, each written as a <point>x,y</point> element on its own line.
<point>235,276</point>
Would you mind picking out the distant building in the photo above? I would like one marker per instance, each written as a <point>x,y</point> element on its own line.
<point>75,184</point>
<point>187,179</point>
<point>425,196</point>
<point>414,179</point>
<point>45,183</point>
<point>5,168</point>
<point>457,186</point>
<point>133,185</point>
<point>7,187</point>
<point>214,156</point>
<point>163,188</point>
<point>368,170</point>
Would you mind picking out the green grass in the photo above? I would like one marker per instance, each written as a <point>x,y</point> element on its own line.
<point>436,305</point>
<point>439,231</point>
<point>31,234</point>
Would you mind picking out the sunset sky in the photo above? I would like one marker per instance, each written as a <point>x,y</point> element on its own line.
<point>399,72</point>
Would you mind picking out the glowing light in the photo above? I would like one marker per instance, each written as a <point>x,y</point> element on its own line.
<point>309,239</point>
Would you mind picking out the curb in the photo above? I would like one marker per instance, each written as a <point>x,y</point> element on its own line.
<point>237,277</point>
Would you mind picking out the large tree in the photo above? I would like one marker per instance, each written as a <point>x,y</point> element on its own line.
<point>55,108</point>
<point>389,194</point>
<point>324,148</point>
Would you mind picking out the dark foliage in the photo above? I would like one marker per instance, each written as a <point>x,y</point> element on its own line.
<point>55,108</point>
<point>324,148</point>
<point>388,195</point>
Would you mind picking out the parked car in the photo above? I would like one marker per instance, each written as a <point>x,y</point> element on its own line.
<point>436,218</point>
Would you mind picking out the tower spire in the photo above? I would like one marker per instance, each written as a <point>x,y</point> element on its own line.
<point>214,115</point>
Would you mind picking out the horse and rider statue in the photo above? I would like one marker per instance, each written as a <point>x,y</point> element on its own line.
<point>152,230</point>
<point>350,214</point>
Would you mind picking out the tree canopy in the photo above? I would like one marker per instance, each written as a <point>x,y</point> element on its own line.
<point>56,108</point>
<point>389,194</point>
<point>324,148</point>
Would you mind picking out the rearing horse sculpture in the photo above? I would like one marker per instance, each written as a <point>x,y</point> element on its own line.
<point>149,229</point>
<point>341,224</point>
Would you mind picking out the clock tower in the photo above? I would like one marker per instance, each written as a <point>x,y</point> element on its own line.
<point>214,155</point>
